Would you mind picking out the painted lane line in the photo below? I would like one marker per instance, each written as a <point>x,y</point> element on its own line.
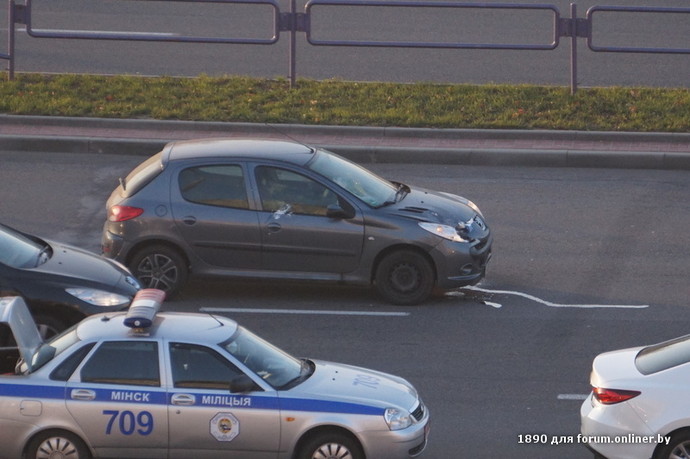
<point>555,305</point>
<point>578,397</point>
<point>306,311</point>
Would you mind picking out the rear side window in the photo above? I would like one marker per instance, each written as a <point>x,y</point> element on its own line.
<point>663,356</point>
<point>123,362</point>
<point>142,175</point>
<point>216,185</point>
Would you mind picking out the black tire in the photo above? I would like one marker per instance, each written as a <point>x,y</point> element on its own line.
<point>679,446</point>
<point>404,277</point>
<point>49,325</point>
<point>160,267</point>
<point>59,443</point>
<point>333,445</point>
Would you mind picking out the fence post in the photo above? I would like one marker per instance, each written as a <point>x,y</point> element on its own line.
<point>292,50</point>
<point>573,50</point>
<point>10,39</point>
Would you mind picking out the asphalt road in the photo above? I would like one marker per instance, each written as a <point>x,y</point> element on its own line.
<point>472,26</point>
<point>586,260</point>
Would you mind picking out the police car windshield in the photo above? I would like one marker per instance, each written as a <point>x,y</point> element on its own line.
<point>273,365</point>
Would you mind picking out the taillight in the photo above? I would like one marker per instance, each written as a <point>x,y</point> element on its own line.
<point>123,213</point>
<point>613,396</point>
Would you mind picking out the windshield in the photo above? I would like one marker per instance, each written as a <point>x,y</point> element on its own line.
<point>663,356</point>
<point>51,349</point>
<point>275,366</point>
<point>359,181</point>
<point>18,251</point>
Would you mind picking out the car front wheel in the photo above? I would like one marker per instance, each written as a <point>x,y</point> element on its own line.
<point>57,444</point>
<point>160,267</point>
<point>331,446</point>
<point>404,277</point>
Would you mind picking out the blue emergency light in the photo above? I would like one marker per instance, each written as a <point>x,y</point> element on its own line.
<point>144,307</point>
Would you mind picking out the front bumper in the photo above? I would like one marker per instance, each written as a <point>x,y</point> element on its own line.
<point>399,444</point>
<point>461,264</point>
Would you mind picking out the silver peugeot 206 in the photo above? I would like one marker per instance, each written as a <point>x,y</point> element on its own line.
<point>179,385</point>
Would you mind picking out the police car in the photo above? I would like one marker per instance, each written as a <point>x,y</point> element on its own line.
<point>178,385</point>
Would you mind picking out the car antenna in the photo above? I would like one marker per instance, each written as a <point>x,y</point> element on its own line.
<point>210,313</point>
<point>275,128</point>
<point>122,183</point>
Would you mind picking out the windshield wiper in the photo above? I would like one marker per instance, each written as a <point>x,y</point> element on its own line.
<point>43,255</point>
<point>306,370</point>
<point>400,194</point>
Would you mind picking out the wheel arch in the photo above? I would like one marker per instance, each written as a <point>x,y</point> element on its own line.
<point>136,248</point>
<point>401,247</point>
<point>684,430</point>
<point>323,430</point>
<point>55,430</point>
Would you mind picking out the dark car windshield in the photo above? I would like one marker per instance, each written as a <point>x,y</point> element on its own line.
<point>273,365</point>
<point>663,356</point>
<point>359,181</point>
<point>18,251</point>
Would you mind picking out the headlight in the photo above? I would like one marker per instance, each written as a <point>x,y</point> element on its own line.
<point>445,231</point>
<point>397,419</point>
<point>98,297</point>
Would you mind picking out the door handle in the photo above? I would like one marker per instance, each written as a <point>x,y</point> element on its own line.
<point>82,394</point>
<point>189,220</point>
<point>183,399</point>
<point>274,227</point>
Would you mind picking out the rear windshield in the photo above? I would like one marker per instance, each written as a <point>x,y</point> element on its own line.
<point>142,174</point>
<point>663,356</point>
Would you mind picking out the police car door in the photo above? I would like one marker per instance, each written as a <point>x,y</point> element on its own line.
<point>206,418</point>
<point>117,399</point>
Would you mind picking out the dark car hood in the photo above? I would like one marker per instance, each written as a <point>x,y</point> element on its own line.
<point>433,206</point>
<point>69,261</point>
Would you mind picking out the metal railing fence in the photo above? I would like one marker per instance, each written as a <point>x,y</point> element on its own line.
<point>294,22</point>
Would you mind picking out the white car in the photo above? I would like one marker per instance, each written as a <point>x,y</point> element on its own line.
<point>181,385</point>
<point>640,403</point>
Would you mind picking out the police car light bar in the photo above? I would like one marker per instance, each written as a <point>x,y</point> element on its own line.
<point>144,307</point>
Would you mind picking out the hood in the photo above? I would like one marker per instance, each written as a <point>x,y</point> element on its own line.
<point>69,261</point>
<point>349,384</point>
<point>433,206</point>
<point>615,367</point>
<point>15,313</point>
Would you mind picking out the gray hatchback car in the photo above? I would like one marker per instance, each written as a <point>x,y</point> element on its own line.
<point>282,210</point>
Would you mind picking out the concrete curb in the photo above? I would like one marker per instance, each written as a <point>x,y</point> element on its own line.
<point>140,143</point>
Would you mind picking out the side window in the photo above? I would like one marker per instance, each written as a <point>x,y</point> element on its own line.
<point>200,367</point>
<point>220,185</point>
<point>290,192</point>
<point>123,362</point>
<point>63,371</point>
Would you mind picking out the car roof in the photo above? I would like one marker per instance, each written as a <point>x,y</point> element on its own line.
<point>279,150</point>
<point>187,327</point>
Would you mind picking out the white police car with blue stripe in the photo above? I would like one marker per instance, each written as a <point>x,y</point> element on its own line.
<point>155,384</point>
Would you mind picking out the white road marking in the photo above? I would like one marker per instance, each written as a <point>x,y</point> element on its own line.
<point>572,396</point>
<point>306,311</point>
<point>551,304</point>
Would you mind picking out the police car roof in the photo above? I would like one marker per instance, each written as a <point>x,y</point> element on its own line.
<point>170,325</point>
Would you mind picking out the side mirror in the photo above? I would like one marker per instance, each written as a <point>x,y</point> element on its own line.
<point>335,211</point>
<point>242,384</point>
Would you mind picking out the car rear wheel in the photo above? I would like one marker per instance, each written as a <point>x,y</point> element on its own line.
<point>404,277</point>
<point>678,447</point>
<point>331,446</point>
<point>57,445</point>
<point>160,267</point>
